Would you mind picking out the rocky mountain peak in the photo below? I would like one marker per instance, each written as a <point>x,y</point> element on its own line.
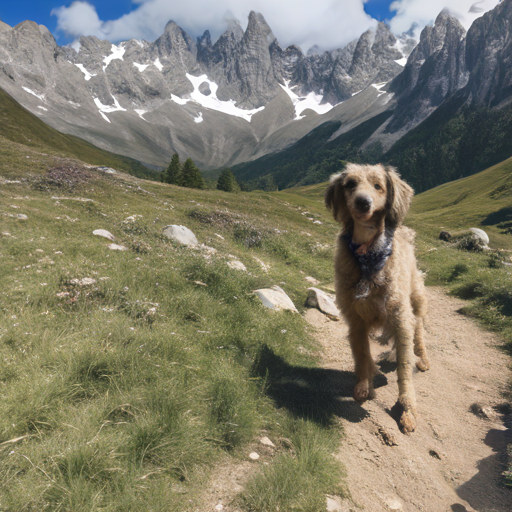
<point>258,29</point>
<point>175,40</point>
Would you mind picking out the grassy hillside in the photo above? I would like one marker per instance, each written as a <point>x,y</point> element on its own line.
<point>20,126</point>
<point>128,390</point>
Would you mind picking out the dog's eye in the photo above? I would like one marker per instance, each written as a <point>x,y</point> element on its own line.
<point>377,186</point>
<point>350,184</point>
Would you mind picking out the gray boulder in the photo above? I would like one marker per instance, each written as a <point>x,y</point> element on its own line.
<point>104,233</point>
<point>480,234</point>
<point>180,234</point>
<point>275,298</point>
<point>325,302</point>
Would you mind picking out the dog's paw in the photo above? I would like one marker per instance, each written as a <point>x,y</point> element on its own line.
<point>423,364</point>
<point>362,391</point>
<point>407,422</point>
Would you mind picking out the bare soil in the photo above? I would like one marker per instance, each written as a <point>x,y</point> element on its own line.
<point>454,459</point>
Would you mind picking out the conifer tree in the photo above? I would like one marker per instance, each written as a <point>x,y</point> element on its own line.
<point>192,177</point>
<point>227,181</point>
<point>174,173</point>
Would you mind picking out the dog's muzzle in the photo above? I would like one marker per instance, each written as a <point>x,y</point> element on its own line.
<point>363,204</point>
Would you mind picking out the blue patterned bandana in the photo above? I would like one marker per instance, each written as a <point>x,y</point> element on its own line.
<point>372,262</point>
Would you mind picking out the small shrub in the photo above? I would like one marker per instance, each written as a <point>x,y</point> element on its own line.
<point>249,236</point>
<point>458,270</point>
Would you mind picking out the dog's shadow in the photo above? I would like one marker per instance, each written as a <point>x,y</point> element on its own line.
<point>317,394</point>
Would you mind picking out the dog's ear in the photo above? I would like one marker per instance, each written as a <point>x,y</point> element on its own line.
<point>335,198</point>
<point>398,199</point>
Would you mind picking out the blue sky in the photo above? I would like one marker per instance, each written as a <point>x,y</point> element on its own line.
<point>328,23</point>
<point>14,12</point>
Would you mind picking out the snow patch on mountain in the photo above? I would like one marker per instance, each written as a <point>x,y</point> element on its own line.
<point>140,113</point>
<point>379,87</point>
<point>199,118</point>
<point>117,53</point>
<point>140,67</point>
<point>103,109</point>
<point>86,73</point>
<point>30,91</point>
<point>402,62</point>
<point>301,103</point>
<point>158,64</point>
<point>211,101</point>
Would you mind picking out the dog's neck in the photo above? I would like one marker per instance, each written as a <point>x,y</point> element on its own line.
<point>371,245</point>
<point>365,234</point>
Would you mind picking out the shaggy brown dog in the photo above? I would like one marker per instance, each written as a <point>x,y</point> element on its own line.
<point>378,285</point>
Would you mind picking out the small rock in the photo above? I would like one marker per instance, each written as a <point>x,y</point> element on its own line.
<point>393,504</point>
<point>219,236</point>
<point>4,233</point>
<point>200,283</point>
<point>115,247</point>
<point>219,507</point>
<point>262,264</point>
<point>435,454</point>
<point>21,216</point>
<point>104,233</point>
<point>46,260</point>
<point>39,250</point>
<point>237,265</point>
<point>317,222</point>
<point>181,234</point>
<point>334,504</point>
<point>63,294</point>
<point>265,441</point>
<point>86,281</point>
<point>312,280</point>
<point>254,456</point>
<point>324,302</point>
<point>484,412</point>
<point>275,298</point>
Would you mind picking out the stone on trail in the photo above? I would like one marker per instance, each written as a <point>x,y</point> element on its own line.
<point>104,233</point>
<point>312,280</point>
<point>254,456</point>
<point>324,302</point>
<point>181,234</point>
<point>275,298</point>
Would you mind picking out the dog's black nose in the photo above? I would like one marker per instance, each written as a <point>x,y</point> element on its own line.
<point>363,203</point>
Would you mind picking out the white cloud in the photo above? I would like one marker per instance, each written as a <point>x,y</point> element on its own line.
<point>424,13</point>
<point>326,23</point>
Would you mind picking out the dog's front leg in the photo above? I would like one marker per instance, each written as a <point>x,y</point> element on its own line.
<point>364,365</point>
<point>404,341</point>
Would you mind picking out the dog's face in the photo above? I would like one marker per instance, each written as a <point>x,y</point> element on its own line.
<point>366,193</point>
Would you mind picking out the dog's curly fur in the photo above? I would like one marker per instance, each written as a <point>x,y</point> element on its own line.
<point>371,203</point>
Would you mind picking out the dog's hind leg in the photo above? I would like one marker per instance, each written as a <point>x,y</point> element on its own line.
<point>364,365</point>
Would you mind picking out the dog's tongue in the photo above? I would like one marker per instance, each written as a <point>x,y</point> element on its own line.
<point>363,249</point>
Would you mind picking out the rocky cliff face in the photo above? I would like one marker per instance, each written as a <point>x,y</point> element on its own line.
<point>219,103</point>
<point>476,65</point>
<point>435,70</point>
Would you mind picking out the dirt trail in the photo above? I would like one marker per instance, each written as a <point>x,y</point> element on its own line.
<point>454,459</point>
